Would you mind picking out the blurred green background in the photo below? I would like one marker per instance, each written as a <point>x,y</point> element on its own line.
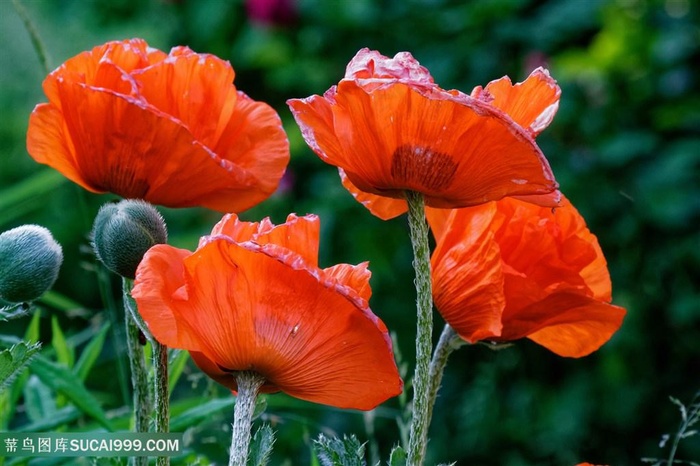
<point>625,147</point>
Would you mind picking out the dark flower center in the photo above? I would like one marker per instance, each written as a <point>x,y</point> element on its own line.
<point>416,165</point>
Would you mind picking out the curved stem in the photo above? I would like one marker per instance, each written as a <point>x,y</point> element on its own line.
<point>130,308</point>
<point>449,341</point>
<point>424,306</point>
<point>248,385</point>
<point>34,35</point>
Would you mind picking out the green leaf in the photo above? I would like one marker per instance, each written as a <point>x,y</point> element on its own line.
<point>28,195</point>
<point>260,406</point>
<point>15,311</point>
<point>177,365</point>
<point>90,353</point>
<point>54,299</point>
<point>261,446</point>
<point>32,333</point>
<point>14,359</point>
<point>336,452</point>
<point>61,417</point>
<point>64,353</point>
<point>398,456</point>
<point>198,413</point>
<point>38,400</point>
<point>63,381</point>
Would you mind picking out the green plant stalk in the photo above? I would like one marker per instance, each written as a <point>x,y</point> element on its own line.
<point>139,374</point>
<point>162,392</point>
<point>449,341</point>
<point>368,417</point>
<point>418,439</point>
<point>248,385</point>
<point>688,420</point>
<point>37,43</point>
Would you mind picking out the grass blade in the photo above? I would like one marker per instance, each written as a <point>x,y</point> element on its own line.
<point>63,381</point>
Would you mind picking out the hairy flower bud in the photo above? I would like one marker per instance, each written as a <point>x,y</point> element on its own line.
<point>29,262</point>
<point>123,232</point>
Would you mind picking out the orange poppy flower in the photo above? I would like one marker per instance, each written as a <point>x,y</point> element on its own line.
<point>389,128</point>
<point>168,128</point>
<point>509,269</point>
<point>252,297</point>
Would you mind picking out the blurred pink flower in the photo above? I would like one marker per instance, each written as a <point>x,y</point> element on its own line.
<point>272,12</point>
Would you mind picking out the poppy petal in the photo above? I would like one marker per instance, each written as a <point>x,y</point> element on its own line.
<point>298,234</point>
<point>552,199</point>
<point>253,312</point>
<point>157,159</point>
<point>160,279</point>
<point>355,277</point>
<point>438,220</point>
<point>532,103</point>
<point>315,118</point>
<point>553,286</point>
<point>467,274</point>
<point>170,129</point>
<point>383,207</point>
<point>238,230</point>
<point>197,89</point>
<point>567,324</point>
<point>563,244</point>
<point>226,379</point>
<point>468,155</point>
<point>390,129</point>
<point>370,65</point>
<point>99,67</point>
<point>48,142</point>
<point>254,140</point>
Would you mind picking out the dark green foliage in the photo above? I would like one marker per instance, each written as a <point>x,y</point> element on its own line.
<point>261,446</point>
<point>336,452</point>
<point>398,457</point>
<point>14,359</point>
<point>624,146</point>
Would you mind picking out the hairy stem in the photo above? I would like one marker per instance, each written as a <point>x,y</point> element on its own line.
<point>449,341</point>
<point>248,385</point>
<point>161,392</point>
<point>159,386</point>
<point>139,374</point>
<point>424,306</point>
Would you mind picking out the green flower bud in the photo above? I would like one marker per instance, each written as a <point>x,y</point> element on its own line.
<point>123,232</point>
<point>29,263</point>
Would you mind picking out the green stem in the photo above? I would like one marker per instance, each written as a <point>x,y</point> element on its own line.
<point>424,305</point>
<point>160,388</point>
<point>449,341</point>
<point>248,385</point>
<point>139,374</point>
<point>34,35</point>
<point>368,417</point>
<point>688,420</point>
<point>161,391</point>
